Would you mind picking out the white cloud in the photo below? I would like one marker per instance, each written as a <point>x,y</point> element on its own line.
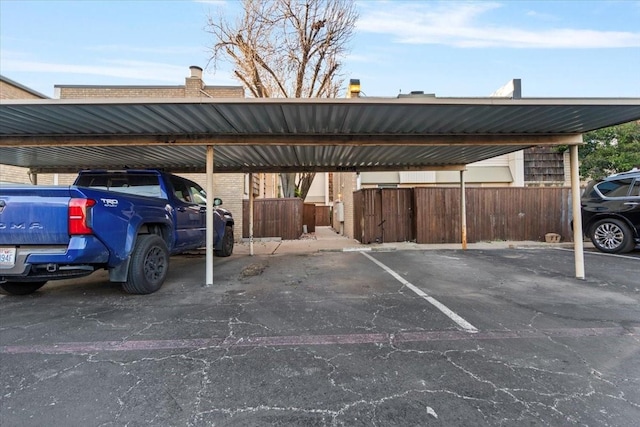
<point>148,72</point>
<point>134,70</point>
<point>464,25</point>
<point>162,50</point>
<point>542,16</point>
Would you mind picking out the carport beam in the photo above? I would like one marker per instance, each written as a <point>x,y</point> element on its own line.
<point>209,236</point>
<point>578,246</point>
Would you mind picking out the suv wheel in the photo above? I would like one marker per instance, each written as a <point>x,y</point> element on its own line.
<point>612,236</point>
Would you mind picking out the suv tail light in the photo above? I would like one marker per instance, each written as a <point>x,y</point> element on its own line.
<point>79,216</point>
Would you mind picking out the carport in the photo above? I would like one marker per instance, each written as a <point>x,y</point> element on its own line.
<point>296,135</point>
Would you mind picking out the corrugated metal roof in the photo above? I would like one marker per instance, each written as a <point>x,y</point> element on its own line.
<point>291,134</point>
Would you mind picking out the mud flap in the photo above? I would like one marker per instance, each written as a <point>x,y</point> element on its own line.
<point>120,273</point>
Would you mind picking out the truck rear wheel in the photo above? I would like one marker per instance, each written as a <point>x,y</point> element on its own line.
<point>149,265</point>
<point>227,243</point>
<point>21,288</point>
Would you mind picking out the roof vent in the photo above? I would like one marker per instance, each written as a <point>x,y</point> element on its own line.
<point>417,94</point>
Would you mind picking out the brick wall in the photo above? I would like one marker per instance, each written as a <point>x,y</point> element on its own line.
<point>14,174</point>
<point>20,175</point>
<point>84,92</point>
<point>193,89</point>
<point>9,91</point>
<point>224,91</point>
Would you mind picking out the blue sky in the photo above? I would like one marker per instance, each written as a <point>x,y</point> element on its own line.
<point>450,48</point>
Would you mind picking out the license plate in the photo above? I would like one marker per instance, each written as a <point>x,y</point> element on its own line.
<point>7,257</point>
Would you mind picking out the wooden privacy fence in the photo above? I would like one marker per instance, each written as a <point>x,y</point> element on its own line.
<point>432,215</point>
<point>274,218</point>
<point>283,217</point>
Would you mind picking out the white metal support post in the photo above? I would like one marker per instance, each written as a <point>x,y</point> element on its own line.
<point>209,236</point>
<point>251,197</point>
<point>463,212</point>
<point>578,246</point>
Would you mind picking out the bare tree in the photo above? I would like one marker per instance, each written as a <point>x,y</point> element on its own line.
<point>287,49</point>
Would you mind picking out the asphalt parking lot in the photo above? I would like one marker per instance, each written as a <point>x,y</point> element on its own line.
<point>484,337</point>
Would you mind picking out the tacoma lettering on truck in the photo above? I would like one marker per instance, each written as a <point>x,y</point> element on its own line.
<point>21,226</point>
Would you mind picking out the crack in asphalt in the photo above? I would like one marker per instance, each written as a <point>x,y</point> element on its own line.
<point>242,355</point>
<point>534,401</point>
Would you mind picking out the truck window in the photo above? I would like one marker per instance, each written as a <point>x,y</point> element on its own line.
<point>198,195</point>
<point>140,185</point>
<point>180,189</point>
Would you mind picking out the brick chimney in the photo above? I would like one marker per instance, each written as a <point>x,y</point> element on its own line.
<point>193,83</point>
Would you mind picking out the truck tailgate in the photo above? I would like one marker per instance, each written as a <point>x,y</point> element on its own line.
<point>34,215</point>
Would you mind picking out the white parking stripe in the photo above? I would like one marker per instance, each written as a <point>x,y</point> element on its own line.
<point>468,327</point>
<point>600,253</point>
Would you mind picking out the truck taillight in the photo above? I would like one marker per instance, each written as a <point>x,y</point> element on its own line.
<point>79,212</point>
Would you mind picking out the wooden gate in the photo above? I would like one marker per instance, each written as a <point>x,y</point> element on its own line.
<point>323,216</point>
<point>397,215</point>
<point>383,215</point>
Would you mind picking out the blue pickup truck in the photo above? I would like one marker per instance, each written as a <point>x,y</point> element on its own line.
<point>128,222</point>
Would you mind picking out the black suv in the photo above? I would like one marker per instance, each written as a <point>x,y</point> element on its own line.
<point>611,212</point>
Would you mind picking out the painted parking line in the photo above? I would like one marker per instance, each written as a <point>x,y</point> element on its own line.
<point>217,343</point>
<point>600,253</point>
<point>466,326</point>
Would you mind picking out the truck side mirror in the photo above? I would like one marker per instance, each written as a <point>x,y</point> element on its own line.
<point>217,201</point>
